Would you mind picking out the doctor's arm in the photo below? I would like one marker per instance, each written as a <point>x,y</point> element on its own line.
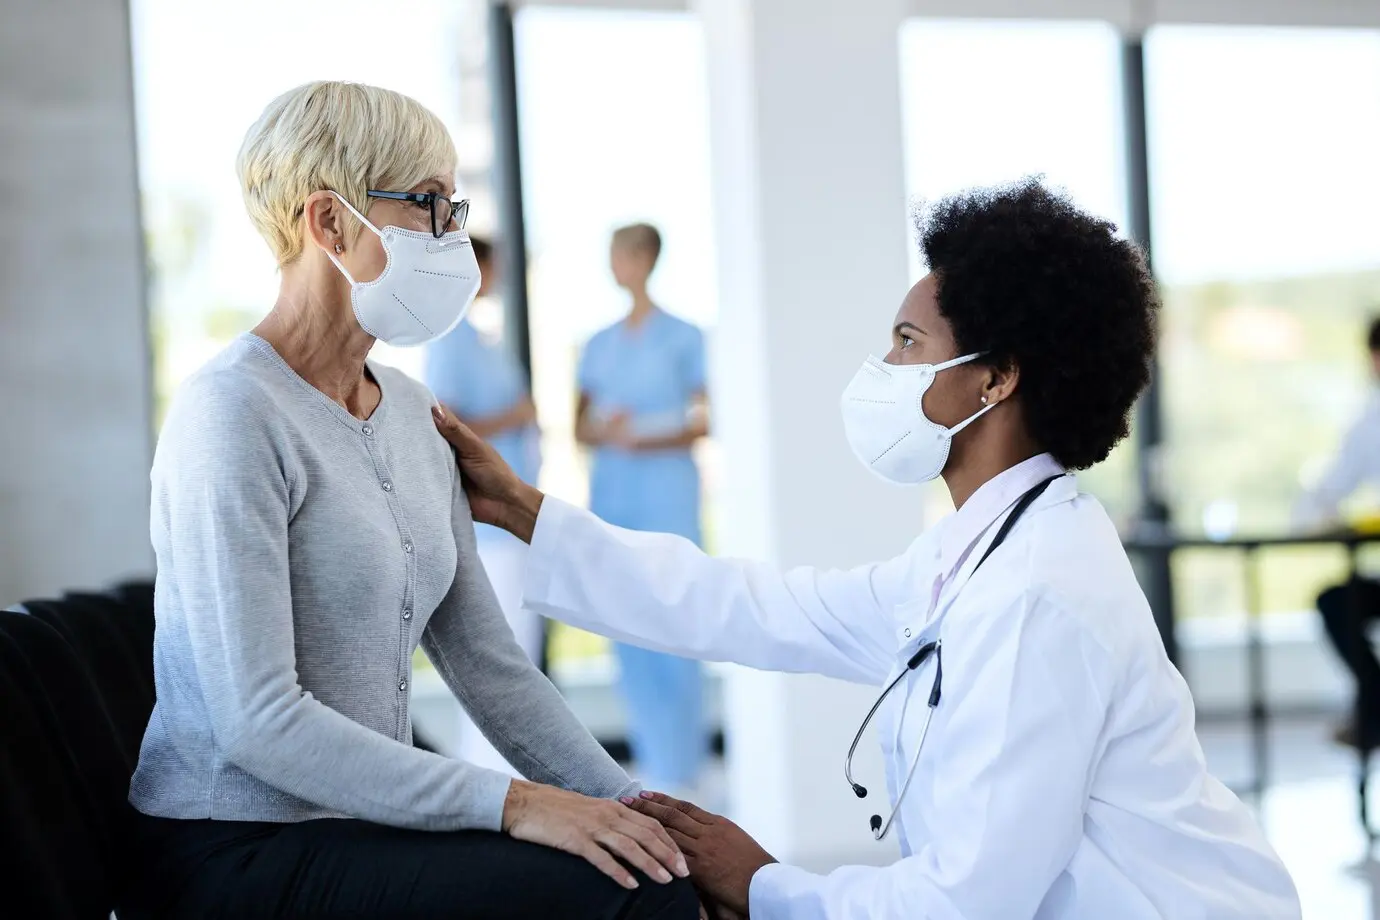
<point>1015,739</point>
<point>662,592</point>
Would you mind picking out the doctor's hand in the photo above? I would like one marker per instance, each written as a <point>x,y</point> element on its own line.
<point>713,910</point>
<point>497,496</point>
<point>722,857</point>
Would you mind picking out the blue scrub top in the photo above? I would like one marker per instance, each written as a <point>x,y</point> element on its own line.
<point>651,372</point>
<point>479,379</point>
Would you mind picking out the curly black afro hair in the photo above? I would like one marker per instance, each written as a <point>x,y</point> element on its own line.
<point>1031,281</point>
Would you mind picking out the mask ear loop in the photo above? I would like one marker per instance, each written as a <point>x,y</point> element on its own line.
<point>363,220</point>
<point>955,362</point>
<point>986,406</point>
<point>972,418</point>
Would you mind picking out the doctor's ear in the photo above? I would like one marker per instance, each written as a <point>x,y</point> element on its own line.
<point>1000,382</point>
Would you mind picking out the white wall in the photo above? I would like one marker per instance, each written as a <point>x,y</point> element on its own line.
<point>74,362</point>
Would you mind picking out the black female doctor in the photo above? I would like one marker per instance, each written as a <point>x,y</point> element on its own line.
<point>1041,758</point>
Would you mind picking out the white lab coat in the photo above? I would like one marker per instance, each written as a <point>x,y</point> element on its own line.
<point>1061,777</point>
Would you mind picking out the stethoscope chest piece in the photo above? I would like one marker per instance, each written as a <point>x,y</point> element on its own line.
<point>879,827</point>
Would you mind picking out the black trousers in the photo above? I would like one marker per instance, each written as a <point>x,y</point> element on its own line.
<point>336,869</point>
<point>1347,610</point>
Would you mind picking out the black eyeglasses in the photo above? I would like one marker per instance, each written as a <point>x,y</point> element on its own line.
<point>443,210</point>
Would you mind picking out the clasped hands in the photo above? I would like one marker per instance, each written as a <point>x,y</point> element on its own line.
<point>722,857</point>
<point>615,431</point>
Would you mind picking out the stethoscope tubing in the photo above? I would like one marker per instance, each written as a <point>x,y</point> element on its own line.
<point>880,828</point>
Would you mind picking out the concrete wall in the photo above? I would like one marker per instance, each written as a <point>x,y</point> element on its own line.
<point>75,431</point>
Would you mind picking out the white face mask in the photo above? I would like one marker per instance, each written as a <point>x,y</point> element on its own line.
<point>424,290</point>
<point>884,419</point>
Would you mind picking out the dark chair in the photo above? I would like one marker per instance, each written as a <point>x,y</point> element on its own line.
<point>114,641</point>
<point>70,725</point>
<point>76,691</point>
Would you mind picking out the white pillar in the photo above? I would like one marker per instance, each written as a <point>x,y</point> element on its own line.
<point>810,203</point>
<point>76,436</point>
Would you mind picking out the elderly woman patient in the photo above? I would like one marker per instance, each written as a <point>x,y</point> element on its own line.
<point>310,532</point>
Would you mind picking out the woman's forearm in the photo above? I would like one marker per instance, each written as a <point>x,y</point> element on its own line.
<point>469,641</point>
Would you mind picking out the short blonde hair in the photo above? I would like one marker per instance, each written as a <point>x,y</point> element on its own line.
<point>343,137</point>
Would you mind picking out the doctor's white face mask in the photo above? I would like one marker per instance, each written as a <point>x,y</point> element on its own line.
<point>425,289</point>
<point>884,420</point>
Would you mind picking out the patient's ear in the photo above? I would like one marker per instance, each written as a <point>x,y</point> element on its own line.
<point>323,222</point>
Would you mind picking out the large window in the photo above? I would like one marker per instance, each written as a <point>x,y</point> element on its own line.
<point>1264,144</point>
<point>614,125</point>
<point>991,102</point>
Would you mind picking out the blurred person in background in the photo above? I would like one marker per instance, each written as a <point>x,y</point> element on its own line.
<point>481,381</point>
<point>1347,610</point>
<point>311,532</point>
<point>642,406</point>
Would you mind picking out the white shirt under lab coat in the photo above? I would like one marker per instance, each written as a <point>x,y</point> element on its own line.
<point>1061,777</point>
<point>1356,463</point>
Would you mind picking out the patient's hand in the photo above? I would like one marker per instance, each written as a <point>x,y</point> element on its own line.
<point>594,829</point>
<point>497,496</point>
<point>722,857</point>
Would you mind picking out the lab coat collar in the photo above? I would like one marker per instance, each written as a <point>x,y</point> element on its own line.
<point>961,534</point>
<point>987,504</point>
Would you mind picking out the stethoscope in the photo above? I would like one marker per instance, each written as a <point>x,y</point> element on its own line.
<point>935,648</point>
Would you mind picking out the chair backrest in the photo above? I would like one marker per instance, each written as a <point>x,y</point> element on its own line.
<point>76,686</point>
<point>114,640</point>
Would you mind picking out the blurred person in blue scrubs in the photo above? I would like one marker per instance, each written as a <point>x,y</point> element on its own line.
<point>642,406</point>
<point>480,380</point>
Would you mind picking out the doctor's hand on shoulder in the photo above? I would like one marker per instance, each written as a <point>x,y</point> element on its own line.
<point>497,496</point>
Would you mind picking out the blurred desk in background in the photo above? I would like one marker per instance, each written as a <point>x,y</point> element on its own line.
<point>1152,541</point>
